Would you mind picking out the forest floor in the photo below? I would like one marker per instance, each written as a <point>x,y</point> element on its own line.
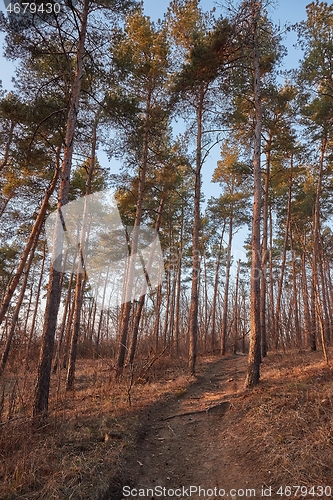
<point>174,432</point>
<point>235,443</point>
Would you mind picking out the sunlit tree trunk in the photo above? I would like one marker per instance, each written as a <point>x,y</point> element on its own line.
<point>179,285</point>
<point>295,294</point>
<point>236,310</point>
<point>226,291</point>
<point>41,400</point>
<point>34,315</point>
<point>14,318</point>
<point>193,315</point>
<point>263,287</point>
<point>127,306</point>
<point>33,235</point>
<point>139,309</point>
<point>216,284</point>
<point>277,329</point>
<point>316,308</point>
<point>63,323</point>
<point>81,275</point>
<point>253,372</point>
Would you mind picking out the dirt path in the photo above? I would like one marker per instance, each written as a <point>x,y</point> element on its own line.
<point>193,440</point>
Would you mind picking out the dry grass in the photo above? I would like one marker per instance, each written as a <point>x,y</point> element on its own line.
<point>286,423</point>
<point>290,418</point>
<point>74,456</point>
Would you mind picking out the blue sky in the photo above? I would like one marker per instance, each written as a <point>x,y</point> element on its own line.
<point>283,11</point>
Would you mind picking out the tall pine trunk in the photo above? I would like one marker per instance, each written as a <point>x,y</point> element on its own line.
<point>263,289</point>
<point>41,400</point>
<point>14,318</point>
<point>81,276</point>
<point>277,328</point>
<point>316,309</point>
<point>216,284</point>
<point>141,302</point>
<point>127,306</point>
<point>253,372</point>
<point>193,315</point>
<point>226,292</point>
<point>37,227</point>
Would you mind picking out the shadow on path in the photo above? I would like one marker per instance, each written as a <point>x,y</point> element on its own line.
<point>181,439</point>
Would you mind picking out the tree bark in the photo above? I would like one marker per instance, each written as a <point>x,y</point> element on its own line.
<point>127,306</point>
<point>141,302</point>
<point>253,372</point>
<point>295,294</point>
<point>277,329</point>
<point>37,227</point>
<point>305,294</point>
<point>193,315</point>
<point>41,400</point>
<point>216,284</point>
<point>264,253</point>
<point>226,291</point>
<point>316,309</point>
<point>4,160</point>
<point>10,334</point>
<point>179,285</point>
<point>81,275</point>
<point>236,310</point>
<point>34,316</point>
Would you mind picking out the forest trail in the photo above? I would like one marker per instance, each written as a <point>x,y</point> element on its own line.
<point>192,439</point>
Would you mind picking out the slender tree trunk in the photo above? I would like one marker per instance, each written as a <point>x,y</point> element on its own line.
<point>157,316</point>
<point>316,309</point>
<point>313,309</point>
<point>253,373</point>
<point>81,275</point>
<point>80,284</point>
<point>226,291</point>
<point>263,291</point>
<point>27,314</point>
<point>326,320</point>
<point>5,203</point>
<point>101,316</point>
<point>295,294</point>
<point>69,324</point>
<point>236,311</point>
<point>329,295</point>
<point>307,321</point>
<point>41,401</point>
<point>193,315</point>
<point>172,307</point>
<point>216,284</point>
<point>127,306</point>
<point>148,269</point>
<point>167,308</point>
<point>34,316</point>
<point>277,329</point>
<point>14,318</point>
<point>271,277</point>
<point>4,160</point>
<point>34,234</point>
<point>179,286</point>
<point>63,323</point>
<point>205,303</point>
